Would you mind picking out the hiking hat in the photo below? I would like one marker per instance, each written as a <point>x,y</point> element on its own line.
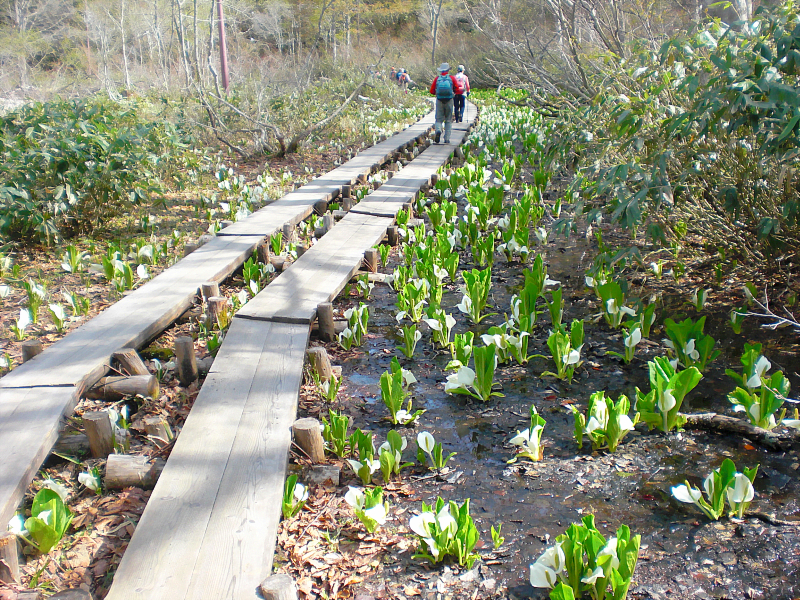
<point>444,68</point>
<point>460,68</point>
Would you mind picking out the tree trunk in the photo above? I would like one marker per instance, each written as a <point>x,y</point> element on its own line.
<point>435,32</point>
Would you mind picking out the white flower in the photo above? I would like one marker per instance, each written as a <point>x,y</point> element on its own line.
<point>461,379</point>
<point>445,520</point>
<point>762,366</point>
<point>742,490</point>
<point>625,423</point>
<point>610,549</point>
<point>377,513</point>
<point>593,576</point>
<point>594,424</point>
<point>300,492</point>
<point>465,306</point>
<point>667,401</point>
<point>46,516</point>
<point>690,351</point>
<point>611,306</point>
<point>355,497</point>
<point>433,324</point>
<point>90,481</point>
<point>425,441</point>
<point>634,338</point>
<point>572,358</point>
<point>684,493</point>
<point>544,572</point>
<point>17,525</point>
<point>24,319</point>
<point>590,282</point>
<point>57,488</point>
<point>419,524</point>
<point>141,272</point>
<point>548,282</point>
<point>794,423</point>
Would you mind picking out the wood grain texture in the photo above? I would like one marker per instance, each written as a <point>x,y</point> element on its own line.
<point>30,421</point>
<point>319,275</point>
<point>209,528</point>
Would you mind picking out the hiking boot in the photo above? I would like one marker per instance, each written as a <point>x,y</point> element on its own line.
<point>447,141</point>
<point>437,137</point>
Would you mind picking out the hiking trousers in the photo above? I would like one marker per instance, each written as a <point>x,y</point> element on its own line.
<point>458,107</point>
<point>444,114</point>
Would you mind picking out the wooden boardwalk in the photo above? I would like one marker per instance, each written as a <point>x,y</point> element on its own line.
<point>209,529</point>
<point>37,395</point>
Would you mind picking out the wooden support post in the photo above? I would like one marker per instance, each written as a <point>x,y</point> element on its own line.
<point>346,191</point>
<point>126,470</point>
<point>97,426</point>
<point>371,259</point>
<point>158,428</point>
<point>301,249</point>
<point>308,436</point>
<point>321,207</point>
<point>327,222</point>
<point>327,330</point>
<point>409,208</point>
<point>130,362</point>
<point>320,362</point>
<point>392,235</point>
<point>288,232</point>
<point>9,558</point>
<point>434,179</point>
<point>263,255</point>
<point>209,289</point>
<point>30,348</point>
<point>118,387</point>
<point>278,587</point>
<point>186,360</point>
<point>189,248</point>
<point>347,204</point>
<point>216,306</point>
<point>459,152</point>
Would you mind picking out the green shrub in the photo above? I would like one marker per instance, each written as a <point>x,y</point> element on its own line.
<point>69,165</point>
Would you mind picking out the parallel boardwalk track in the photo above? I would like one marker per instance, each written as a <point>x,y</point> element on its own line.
<point>37,396</point>
<point>210,527</point>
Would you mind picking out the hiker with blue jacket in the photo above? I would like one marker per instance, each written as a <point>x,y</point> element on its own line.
<point>444,87</point>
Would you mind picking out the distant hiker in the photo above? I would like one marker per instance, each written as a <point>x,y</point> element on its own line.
<point>404,80</point>
<point>459,99</point>
<point>393,74</point>
<point>444,87</point>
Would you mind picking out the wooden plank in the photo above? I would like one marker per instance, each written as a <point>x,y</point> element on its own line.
<point>237,550</point>
<point>236,434</point>
<point>30,421</point>
<point>319,275</point>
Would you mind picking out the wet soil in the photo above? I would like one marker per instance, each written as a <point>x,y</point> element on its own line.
<point>682,553</point>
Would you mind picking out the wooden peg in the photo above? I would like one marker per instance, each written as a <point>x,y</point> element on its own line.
<point>97,425</point>
<point>126,470</point>
<point>327,329</point>
<point>9,558</point>
<point>308,436</point>
<point>130,362</point>
<point>185,360</point>
<point>209,289</point>
<point>371,259</point>
<point>31,348</point>
<point>320,362</point>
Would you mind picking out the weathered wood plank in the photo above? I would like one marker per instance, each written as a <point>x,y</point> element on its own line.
<point>237,435</point>
<point>30,421</point>
<point>319,275</point>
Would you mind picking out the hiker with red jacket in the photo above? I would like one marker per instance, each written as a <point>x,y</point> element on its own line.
<point>460,99</point>
<point>444,87</point>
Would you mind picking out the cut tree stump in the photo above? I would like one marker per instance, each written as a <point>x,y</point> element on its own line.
<point>158,428</point>
<point>308,437</point>
<point>216,306</point>
<point>278,587</point>
<point>118,387</point>
<point>320,362</point>
<point>371,260</point>
<point>9,558</point>
<point>97,426</point>
<point>209,289</point>
<point>185,360</point>
<point>130,362</point>
<point>392,235</point>
<point>327,329</point>
<point>126,470</point>
<point>30,348</point>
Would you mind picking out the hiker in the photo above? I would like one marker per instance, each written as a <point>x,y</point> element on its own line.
<point>444,87</point>
<point>404,80</point>
<point>460,99</point>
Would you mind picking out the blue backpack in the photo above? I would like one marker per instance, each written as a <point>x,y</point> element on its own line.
<point>444,87</point>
